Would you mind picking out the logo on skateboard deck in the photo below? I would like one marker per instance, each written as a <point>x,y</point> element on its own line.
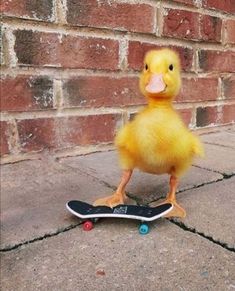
<point>120,210</point>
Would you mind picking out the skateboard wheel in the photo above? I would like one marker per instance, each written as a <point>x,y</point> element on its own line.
<point>143,229</point>
<point>87,225</point>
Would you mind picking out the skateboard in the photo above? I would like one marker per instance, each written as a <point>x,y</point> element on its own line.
<point>90,214</point>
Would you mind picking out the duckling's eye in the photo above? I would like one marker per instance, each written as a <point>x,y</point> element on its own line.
<point>146,67</point>
<point>171,67</point>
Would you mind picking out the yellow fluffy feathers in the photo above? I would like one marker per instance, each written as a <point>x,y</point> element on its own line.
<point>157,141</point>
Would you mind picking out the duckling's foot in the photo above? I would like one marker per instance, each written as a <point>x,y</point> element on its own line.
<point>111,201</point>
<point>177,210</point>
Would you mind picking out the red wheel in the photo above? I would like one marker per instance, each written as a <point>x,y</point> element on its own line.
<point>87,225</point>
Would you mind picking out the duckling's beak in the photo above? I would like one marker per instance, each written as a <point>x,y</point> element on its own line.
<point>156,84</point>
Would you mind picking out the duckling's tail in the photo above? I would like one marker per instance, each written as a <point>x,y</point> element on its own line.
<point>198,148</point>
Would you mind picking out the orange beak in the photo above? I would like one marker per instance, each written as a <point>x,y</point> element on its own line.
<point>156,84</point>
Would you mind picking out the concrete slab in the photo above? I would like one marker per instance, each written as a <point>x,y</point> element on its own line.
<point>33,197</point>
<point>115,257</point>
<point>144,187</point>
<point>231,130</point>
<point>210,210</point>
<point>224,138</point>
<point>218,158</point>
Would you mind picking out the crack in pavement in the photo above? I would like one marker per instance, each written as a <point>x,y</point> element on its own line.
<point>137,199</point>
<point>225,175</point>
<point>47,235</point>
<point>181,225</point>
<point>220,145</point>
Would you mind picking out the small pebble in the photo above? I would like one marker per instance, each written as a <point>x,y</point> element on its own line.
<point>100,272</point>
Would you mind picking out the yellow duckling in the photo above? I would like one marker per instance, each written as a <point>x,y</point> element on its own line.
<point>156,141</point>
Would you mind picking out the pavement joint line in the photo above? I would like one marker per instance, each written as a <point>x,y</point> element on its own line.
<point>90,175</point>
<point>138,200</point>
<point>226,176</point>
<point>40,238</point>
<point>206,183</point>
<point>186,189</point>
<point>181,225</point>
<point>217,144</point>
<point>113,187</point>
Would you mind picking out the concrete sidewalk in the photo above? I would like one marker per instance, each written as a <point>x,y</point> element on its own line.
<point>43,247</point>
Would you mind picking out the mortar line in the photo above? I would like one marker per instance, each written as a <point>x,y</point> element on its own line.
<point>66,73</point>
<point>87,111</point>
<point>117,35</point>
<point>81,151</point>
<point>198,9</point>
<point>167,4</point>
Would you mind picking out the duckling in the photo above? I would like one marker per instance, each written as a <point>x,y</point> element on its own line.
<point>156,141</point>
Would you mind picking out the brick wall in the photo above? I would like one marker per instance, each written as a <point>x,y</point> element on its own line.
<point>70,68</point>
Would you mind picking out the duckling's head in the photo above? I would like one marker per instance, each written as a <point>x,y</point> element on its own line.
<point>160,78</point>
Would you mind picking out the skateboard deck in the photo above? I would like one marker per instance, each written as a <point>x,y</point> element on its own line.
<point>144,213</point>
<point>91,213</point>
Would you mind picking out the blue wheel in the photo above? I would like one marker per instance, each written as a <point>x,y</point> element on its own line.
<point>143,229</point>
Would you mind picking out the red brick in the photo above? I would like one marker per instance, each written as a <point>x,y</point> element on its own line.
<point>87,91</point>
<point>215,115</point>
<point>217,61</point>
<point>186,115</point>
<point>224,5</point>
<point>210,28</point>
<point>26,93</point>
<point>65,132</point>
<point>37,134</point>
<point>120,16</point>
<point>85,130</point>
<point>137,51</point>
<point>191,25</point>
<point>52,49</point>
<point>229,87</point>
<point>229,31</point>
<point>187,2</point>
<point>35,9</point>
<point>181,24</point>
<point>206,116</point>
<point>198,89</point>
<point>4,148</point>
<point>228,113</point>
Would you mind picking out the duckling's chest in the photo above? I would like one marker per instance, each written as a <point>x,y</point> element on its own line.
<point>155,126</point>
<point>155,135</point>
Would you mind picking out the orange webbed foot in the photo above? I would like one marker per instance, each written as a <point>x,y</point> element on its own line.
<point>177,210</point>
<point>112,200</point>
